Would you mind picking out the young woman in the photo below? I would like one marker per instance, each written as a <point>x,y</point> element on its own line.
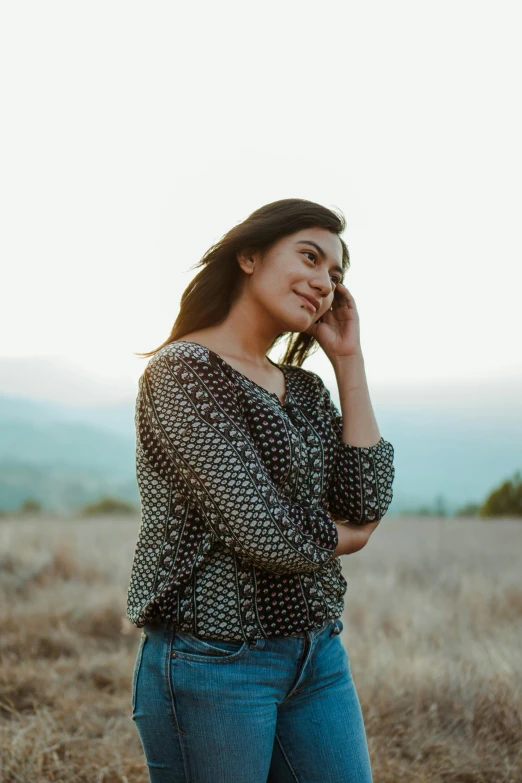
<point>253,485</point>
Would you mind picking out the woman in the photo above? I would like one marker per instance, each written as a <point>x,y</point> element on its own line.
<point>243,465</point>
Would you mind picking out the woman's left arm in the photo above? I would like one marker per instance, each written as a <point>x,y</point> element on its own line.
<point>358,419</point>
<point>361,480</point>
<point>361,485</point>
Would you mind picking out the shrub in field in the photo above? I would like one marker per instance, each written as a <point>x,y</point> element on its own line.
<point>505,501</point>
<point>108,506</point>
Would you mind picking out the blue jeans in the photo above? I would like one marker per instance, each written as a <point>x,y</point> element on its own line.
<point>282,710</point>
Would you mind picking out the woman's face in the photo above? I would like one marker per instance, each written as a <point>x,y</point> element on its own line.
<point>295,266</point>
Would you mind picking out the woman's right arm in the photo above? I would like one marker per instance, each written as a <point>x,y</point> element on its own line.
<point>192,429</point>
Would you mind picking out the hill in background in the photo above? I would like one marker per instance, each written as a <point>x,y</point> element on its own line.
<point>453,445</point>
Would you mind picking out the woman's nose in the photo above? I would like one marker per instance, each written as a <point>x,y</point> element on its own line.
<point>323,285</point>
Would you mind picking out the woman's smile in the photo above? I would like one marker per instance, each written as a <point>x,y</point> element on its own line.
<point>308,303</point>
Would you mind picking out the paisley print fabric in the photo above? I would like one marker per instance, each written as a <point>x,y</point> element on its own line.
<point>237,495</point>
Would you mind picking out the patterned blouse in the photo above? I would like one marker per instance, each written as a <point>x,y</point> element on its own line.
<point>237,496</point>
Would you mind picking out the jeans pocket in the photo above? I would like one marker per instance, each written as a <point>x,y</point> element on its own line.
<point>136,671</point>
<point>193,648</point>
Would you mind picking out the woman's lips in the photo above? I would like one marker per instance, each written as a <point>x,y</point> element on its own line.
<point>307,302</point>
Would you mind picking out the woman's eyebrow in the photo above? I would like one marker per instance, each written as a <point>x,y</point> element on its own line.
<point>320,251</point>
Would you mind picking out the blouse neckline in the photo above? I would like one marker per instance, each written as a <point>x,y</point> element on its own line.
<point>281,367</point>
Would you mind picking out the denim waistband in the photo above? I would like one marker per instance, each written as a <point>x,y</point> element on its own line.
<point>334,624</point>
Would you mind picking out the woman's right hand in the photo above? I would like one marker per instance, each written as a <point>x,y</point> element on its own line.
<point>352,537</point>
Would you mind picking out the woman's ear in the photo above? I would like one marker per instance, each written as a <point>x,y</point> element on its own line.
<point>246,260</point>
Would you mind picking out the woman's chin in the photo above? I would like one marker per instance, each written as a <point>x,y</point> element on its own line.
<point>299,325</point>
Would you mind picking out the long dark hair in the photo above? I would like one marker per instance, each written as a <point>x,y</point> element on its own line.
<point>207,299</point>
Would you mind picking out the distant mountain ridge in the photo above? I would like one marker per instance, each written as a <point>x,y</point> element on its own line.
<point>117,418</point>
<point>66,455</point>
<point>63,456</point>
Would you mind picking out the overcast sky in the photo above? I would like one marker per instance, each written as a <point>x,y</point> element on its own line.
<point>135,134</point>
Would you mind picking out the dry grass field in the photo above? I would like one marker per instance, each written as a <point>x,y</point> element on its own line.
<point>432,626</point>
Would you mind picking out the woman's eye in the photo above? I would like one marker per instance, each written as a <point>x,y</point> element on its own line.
<point>336,279</point>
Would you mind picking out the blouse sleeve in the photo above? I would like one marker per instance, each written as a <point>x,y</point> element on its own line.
<point>360,485</point>
<point>191,428</point>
